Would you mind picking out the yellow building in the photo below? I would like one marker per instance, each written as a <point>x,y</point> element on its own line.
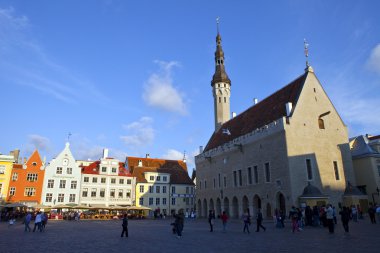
<point>163,186</point>
<point>6,165</point>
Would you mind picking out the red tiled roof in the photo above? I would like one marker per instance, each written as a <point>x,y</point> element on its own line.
<point>176,168</point>
<point>268,110</point>
<point>93,168</point>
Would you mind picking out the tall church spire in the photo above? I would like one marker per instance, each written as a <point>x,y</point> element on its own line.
<point>221,85</point>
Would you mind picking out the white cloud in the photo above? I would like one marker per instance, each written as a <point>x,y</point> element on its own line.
<point>141,133</point>
<point>38,142</point>
<point>172,154</point>
<point>374,59</point>
<point>25,63</point>
<point>159,90</point>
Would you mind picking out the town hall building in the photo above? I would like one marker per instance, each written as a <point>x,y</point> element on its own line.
<point>289,149</point>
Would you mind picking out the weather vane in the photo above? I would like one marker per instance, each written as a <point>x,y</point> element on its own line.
<point>306,47</point>
<point>217,23</point>
<point>68,137</point>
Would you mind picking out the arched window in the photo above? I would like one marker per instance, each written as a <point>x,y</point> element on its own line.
<point>225,100</point>
<point>220,100</point>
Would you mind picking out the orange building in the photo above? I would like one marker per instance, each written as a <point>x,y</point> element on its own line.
<point>26,181</point>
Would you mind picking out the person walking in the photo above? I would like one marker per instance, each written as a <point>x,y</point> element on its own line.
<point>125,226</point>
<point>293,215</point>
<point>44,220</point>
<point>27,220</point>
<point>247,221</point>
<point>211,220</point>
<point>224,218</point>
<point>371,213</point>
<point>345,217</point>
<point>37,222</point>
<point>259,220</point>
<point>330,218</point>
<point>179,222</point>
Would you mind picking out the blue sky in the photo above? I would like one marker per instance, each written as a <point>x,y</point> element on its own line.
<point>134,76</point>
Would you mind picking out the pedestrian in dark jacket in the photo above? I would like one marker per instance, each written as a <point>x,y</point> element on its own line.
<point>211,220</point>
<point>125,226</point>
<point>179,222</point>
<point>345,216</point>
<point>259,220</point>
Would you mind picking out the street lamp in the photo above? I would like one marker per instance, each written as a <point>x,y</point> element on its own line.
<point>378,194</point>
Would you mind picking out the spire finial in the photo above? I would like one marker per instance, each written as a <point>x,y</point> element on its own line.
<point>306,48</point>
<point>217,24</point>
<point>184,156</point>
<point>68,136</point>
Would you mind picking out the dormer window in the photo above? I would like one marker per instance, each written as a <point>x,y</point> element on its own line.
<point>140,163</point>
<point>151,178</point>
<point>34,164</point>
<point>113,170</point>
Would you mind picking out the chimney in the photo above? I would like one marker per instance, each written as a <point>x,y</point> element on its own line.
<point>233,114</point>
<point>200,149</point>
<point>147,156</point>
<point>15,153</point>
<point>255,101</point>
<point>289,107</point>
<point>105,153</point>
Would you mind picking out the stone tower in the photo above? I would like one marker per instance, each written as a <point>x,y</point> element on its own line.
<point>221,87</point>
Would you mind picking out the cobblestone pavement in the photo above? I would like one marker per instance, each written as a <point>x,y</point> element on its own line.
<point>156,236</point>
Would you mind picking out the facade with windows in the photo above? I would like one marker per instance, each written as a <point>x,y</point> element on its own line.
<point>266,156</point>
<point>107,183</point>
<point>6,164</point>
<point>162,185</point>
<point>62,178</point>
<point>27,181</point>
<point>365,150</point>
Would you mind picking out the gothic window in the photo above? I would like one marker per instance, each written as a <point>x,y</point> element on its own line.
<point>225,100</point>
<point>309,169</point>
<point>336,170</point>
<point>220,99</point>
<point>267,173</point>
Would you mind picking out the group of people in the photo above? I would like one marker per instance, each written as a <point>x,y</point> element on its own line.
<point>246,217</point>
<point>40,221</point>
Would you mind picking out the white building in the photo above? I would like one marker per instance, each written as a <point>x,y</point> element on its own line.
<point>107,183</point>
<point>62,180</point>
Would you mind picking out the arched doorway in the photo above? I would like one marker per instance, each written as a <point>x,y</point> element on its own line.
<point>199,208</point>
<point>245,204</point>
<point>226,206</point>
<point>218,207</point>
<point>212,207</point>
<point>205,209</point>
<point>269,211</point>
<point>235,208</point>
<point>281,205</point>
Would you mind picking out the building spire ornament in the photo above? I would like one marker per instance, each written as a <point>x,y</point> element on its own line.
<point>221,85</point>
<point>306,51</point>
<point>217,24</point>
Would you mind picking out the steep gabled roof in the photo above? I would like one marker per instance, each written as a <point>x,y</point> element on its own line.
<point>176,168</point>
<point>265,112</point>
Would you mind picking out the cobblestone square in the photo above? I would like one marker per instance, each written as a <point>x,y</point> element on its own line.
<point>156,236</point>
